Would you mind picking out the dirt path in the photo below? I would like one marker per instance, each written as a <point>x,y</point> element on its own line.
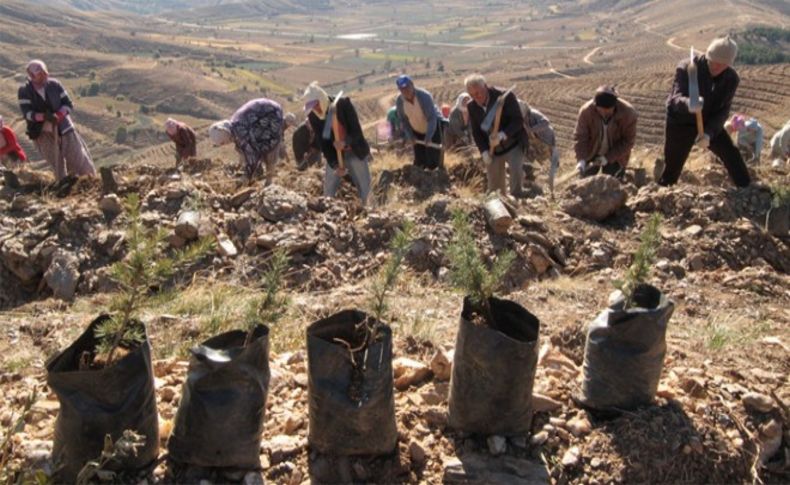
<point>590,54</point>
<point>561,74</point>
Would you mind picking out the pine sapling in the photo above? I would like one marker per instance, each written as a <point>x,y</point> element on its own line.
<point>96,470</point>
<point>781,196</point>
<point>388,274</point>
<point>141,270</point>
<point>468,271</point>
<point>269,308</point>
<point>644,256</point>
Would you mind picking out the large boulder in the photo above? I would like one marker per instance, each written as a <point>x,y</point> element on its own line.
<point>595,198</point>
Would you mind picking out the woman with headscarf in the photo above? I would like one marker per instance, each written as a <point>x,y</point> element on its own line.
<point>46,106</point>
<point>184,138</point>
<point>9,145</point>
<point>457,133</point>
<point>256,129</point>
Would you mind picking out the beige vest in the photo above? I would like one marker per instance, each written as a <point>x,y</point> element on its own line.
<point>416,117</point>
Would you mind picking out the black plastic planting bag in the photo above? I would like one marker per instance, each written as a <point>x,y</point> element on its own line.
<point>219,422</point>
<point>494,371</point>
<point>94,403</point>
<point>339,423</point>
<point>624,353</point>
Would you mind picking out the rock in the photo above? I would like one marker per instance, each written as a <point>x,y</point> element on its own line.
<point>479,469</point>
<point>109,185</point>
<point>755,401</point>
<point>435,417</point>
<point>17,259</point>
<point>539,259</point>
<point>282,447</point>
<point>693,386</point>
<point>253,478</point>
<point>693,230</point>
<point>497,445</point>
<point>571,457</point>
<point>408,372</point>
<point>442,365</point>
<point>539,438</point>
<point>277,203</point>
<point>292,424</point>
<point>544,404</point>
<point>518,441</point>
<point>167,394</point>
<point>165,428</point>
<point>579,426</point>
<point>63,274</point>
<point>241,196</point>
<point>417,452</point>
<point>187,225</point>
<point>595,462</point>
<point>111,204</point>
<point>595,198</point>
<point>225,246</point>
<point>770,438</point>
<point>696,262</point>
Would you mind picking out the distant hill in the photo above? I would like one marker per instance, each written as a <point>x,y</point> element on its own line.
<point>196,7</point>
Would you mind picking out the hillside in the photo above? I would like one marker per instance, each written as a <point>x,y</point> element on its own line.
<point>721,411</point>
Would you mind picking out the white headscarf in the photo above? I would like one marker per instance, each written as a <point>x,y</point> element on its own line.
<point>36,65</point>
<point>219,133</point>
<point>171,126</point>
<point>315,93</point>
<point>1,121</point>
<point>462,101</point>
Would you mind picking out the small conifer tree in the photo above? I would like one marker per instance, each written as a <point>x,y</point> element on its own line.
<point>141,270</point>
<point>269,308</point>
<point>468,271</point>
<point>644,256</point>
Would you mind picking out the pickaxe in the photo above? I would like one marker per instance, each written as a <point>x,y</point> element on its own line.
<point>341,166</point>
<point>695,105</point>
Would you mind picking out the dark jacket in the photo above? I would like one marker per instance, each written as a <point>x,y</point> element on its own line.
<point>186,144</point>
<point>512,123</point>
<point>303,141</point>
<point>30,103</point>
<point>349,121</point>
<point>717,94</point>
<point>620,132</point>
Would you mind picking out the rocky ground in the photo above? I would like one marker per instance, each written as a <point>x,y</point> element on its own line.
<point>721,415</point>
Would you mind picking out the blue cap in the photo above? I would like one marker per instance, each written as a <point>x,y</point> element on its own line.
<point>403,81</point>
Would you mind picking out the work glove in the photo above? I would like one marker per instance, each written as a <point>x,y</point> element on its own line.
<point>60,116</point>
<point>702,141</point>
<point>39,117</point>
<point>497,138</point>
<point>602,161</point>
<point>581,166</point>
<point>487,159</point>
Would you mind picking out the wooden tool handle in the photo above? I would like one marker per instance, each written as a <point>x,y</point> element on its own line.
<point>700,124</point>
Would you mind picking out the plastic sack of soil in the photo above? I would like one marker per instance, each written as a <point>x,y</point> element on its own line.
<point>220,417</point>
<point>352,410</point>
<point>494,371</point>
<point>624,353</point>
<point>97,402</point>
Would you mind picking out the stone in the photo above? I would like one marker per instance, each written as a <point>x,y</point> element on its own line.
<point>292,424</point>
<point>109,185</point>
<point>478,469</point>
<point>694,230</point>
<point>225,246</point>
<point>696,262</point>
<point>571,457</point>
<point>770,438</point>
<point>544,404</point>
<point>111,204</point>
<point>595,198</point>
<point>253,478</point>
<point>282,447</point>
<point>579,426</point>
<point>518,441</point>
<point>442,365</point>
<point>417,452</point>
<point>497,445</point>
<point>277,203</point>
<point>539,438</point>
<point>539,259</point>
<point>241,196</point>
<point>693,386</point>
<point>435,417</point>
<point>187,225</point>
<point>165,428</point>
<point>754,401</point>
<point>17,259</point>
<point>63,274</point>
<point>408,372</point>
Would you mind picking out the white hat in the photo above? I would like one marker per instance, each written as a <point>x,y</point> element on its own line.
<point>36,65</point>
<point>219,133</point>
<point>315,95</point>
<point>171,126</point>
